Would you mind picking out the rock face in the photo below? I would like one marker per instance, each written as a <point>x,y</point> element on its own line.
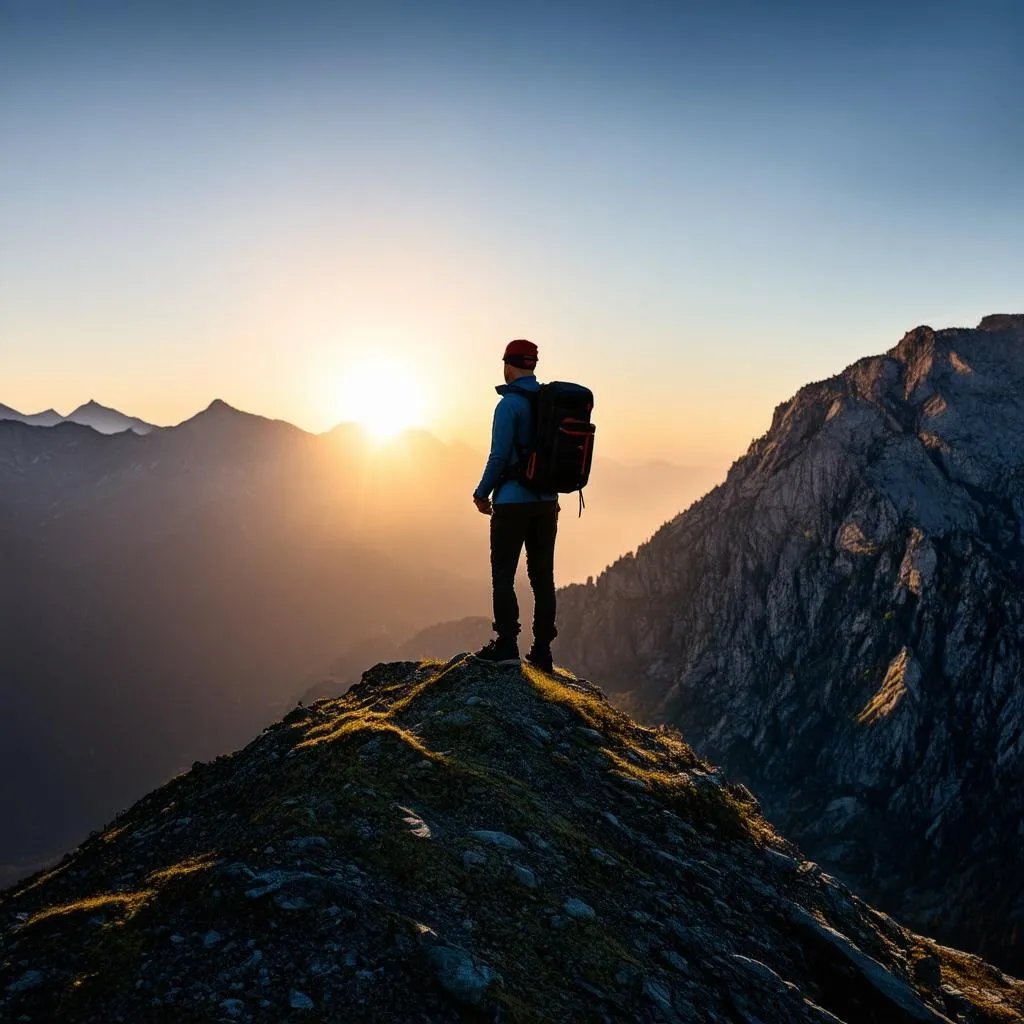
<point>455,842</point>
<point>841,625</point>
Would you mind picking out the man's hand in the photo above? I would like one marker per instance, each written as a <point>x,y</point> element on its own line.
<point>483,505</point>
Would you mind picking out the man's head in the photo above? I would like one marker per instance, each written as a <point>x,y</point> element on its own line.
<point>520,359</point>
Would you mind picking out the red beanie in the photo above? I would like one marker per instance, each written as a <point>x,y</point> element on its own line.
<point>521,353</point>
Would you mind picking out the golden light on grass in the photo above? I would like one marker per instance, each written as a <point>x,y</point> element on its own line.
<point>372,724</point>
<point>45,877</point>
<point>369,721</point>
<point>130,902</point>
<point>127,903</point>
<point>184,867</point>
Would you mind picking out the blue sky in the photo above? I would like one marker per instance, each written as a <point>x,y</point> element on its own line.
<point>695,208</point>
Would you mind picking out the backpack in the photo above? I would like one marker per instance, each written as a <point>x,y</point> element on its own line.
<point>559,455</point>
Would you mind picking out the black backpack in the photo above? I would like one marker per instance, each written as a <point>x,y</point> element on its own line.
<point>559,456</point>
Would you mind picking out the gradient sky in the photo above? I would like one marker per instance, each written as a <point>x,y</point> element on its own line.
<point>694,208</point>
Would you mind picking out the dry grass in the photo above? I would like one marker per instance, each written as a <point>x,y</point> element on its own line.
<point>127,903</point>
<point>998,996</point>
<point>373,724</point>
<point>185,867</point>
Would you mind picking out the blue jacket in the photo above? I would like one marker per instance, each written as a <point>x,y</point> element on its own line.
<point>511,431</point>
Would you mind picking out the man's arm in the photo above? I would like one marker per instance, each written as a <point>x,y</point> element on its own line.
<point>503,434</point>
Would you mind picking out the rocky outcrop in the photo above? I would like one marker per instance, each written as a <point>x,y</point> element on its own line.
<point>841,625</point>
<point>455,842</point>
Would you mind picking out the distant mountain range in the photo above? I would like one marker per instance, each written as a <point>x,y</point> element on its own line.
<point>91,414</point>
<point>627,500</point>
<point>166,594</point>
<point>841,626</point>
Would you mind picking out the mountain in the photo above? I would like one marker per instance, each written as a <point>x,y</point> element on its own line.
<point>106,420</point>
<point>48,418</point>
<point>91,414</point>
<point>455,842</point>
<point>841,625</point>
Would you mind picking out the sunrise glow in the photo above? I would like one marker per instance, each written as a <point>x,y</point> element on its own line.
<point>384,397</point>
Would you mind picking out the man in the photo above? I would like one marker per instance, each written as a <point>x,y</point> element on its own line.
<point>519,517</point>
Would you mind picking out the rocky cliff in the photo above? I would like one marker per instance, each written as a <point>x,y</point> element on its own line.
<point>840,625</point>
<point>464,842</point>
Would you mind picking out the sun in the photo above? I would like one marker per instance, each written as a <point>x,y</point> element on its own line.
<point>384,397</point>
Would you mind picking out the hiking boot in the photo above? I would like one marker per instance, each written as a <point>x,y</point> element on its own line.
<point>540,657</point>
<point>499,652</point>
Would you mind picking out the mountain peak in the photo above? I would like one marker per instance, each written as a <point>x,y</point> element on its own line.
<point>224,421</point>
<point>106,419</point>
<point>455,839</point>
<point>46,418</point>
<point>834,624</point>
<point>92,406</point>
<point>219,411</point>
<point>1002,322</point>
<point>219,406</point>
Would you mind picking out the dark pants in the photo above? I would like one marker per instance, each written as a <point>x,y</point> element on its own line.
<point>535,524</point>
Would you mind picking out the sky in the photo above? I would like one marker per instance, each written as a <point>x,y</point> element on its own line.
<point>693,208</point>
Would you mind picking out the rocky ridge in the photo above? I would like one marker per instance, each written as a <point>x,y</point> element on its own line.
<point>455,842</point>
<point>841,625</point>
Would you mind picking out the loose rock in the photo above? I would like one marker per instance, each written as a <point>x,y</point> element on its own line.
<point>459,975</point>
<point>578,909</point>
<point>499,839</point>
